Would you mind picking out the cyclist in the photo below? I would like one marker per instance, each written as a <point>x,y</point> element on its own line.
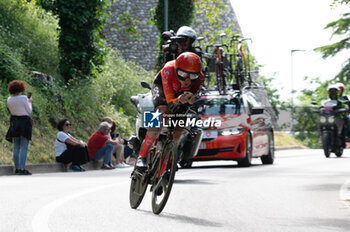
<point>176,84</point>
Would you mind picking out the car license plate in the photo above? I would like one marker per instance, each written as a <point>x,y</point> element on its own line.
<point>210,134</point>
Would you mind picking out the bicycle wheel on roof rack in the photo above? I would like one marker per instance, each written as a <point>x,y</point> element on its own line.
<point>206,77</point>
<point>220,83</point>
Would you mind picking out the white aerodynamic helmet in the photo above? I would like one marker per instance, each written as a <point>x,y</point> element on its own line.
<point>187,32</point>
<point>340,86</point>
<point>333,87</point>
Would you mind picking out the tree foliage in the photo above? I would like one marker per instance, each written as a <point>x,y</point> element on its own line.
<point>272,95</point>
<point>180,13</point>
<point>340,27</point>
<point>81,46</point>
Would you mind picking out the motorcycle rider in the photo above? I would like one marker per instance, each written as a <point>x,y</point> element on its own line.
<point>345,98</point>
<point>189,36</point>
<point>176,84</point>
<point>333,92</point>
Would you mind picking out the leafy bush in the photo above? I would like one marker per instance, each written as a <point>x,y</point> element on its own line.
<point>25,32</point>
<point>27,38</point>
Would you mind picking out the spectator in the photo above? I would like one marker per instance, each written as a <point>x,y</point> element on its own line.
<point>69,149</point>
<point>100,146</point>
<point>119,148</point>
<point>20,130</point>
<point>129,155</point>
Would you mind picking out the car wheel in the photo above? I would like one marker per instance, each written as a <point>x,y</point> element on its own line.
<point>270,157</point>
<point>247,160</point>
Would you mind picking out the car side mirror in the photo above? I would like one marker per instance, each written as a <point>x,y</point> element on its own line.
<point>145,85</point>
<point>256,110</point>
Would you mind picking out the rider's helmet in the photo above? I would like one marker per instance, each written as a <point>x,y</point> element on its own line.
<point>333,91</point>
<point>186,31</point>
<point>188,64</point>
<point>341,87</point>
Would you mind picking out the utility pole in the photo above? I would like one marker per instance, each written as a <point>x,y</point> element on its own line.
<point>166,16</point>
<point>292,85</point>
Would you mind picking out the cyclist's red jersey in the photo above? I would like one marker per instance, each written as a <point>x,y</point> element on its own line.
<point>172,86</point>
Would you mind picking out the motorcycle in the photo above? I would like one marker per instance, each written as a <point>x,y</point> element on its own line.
<point>190,139</point>
<point>331,128</point>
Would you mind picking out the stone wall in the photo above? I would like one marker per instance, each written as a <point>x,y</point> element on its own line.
<point>144,51</point>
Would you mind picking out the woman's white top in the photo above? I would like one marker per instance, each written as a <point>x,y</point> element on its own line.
<point>19,105</point>
<point>60,146</point>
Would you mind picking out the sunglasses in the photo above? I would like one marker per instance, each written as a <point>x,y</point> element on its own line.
<point>183,75</point>
<point>67,124</point>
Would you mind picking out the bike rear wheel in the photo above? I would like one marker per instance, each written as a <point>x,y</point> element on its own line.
<point>162,185</point>
<point>138,186</point>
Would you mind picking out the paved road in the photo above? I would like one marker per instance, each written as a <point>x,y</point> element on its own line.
<point>302,191</point>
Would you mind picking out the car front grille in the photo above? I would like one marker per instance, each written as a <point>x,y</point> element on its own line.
<point>209,152</point>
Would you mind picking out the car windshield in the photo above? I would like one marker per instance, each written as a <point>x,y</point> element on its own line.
<point>215,106</point>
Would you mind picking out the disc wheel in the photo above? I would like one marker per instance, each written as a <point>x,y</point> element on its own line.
<point>163,183</point>
<point>138,186</point>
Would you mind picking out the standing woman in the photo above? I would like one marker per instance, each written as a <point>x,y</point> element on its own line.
<point>20,131</point>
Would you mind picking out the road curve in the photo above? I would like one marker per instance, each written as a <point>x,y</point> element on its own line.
<point>302,191</point>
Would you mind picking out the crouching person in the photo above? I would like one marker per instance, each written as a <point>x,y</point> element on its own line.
<point>69,149</point>
<point>101,147</point>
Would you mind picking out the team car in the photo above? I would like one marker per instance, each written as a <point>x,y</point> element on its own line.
<point>246,129</point>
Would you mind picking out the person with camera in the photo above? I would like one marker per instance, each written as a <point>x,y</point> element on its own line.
<point>178,83</point>
<point>179,43</point>
<point>20,130</point>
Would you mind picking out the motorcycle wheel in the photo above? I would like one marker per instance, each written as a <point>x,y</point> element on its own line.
<point>325,144</point>
<point>339,153</point>
<point>161,187</point>
<point>186,164</point>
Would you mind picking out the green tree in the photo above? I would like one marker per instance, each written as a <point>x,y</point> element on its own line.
<point>272,94</point>
<point>81,44</point>
<point>307,121</point>
<point>180,13</point>
<point>340,27</point>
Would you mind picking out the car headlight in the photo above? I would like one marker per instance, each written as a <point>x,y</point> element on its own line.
<point>231,131</point>
<point>331,119</point>
<point>323,119</point>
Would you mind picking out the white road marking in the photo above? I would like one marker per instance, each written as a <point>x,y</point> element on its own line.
<point>344,193</point>
<point>40,221</point>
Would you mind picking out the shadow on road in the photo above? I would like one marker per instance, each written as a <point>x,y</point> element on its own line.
<point>323,187</point>
<point>185,219</point>
<point>193,181</point>
<point>221,166</point>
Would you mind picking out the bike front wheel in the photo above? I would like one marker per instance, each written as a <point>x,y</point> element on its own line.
<point>138,186</point>
<point>164,180</point>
